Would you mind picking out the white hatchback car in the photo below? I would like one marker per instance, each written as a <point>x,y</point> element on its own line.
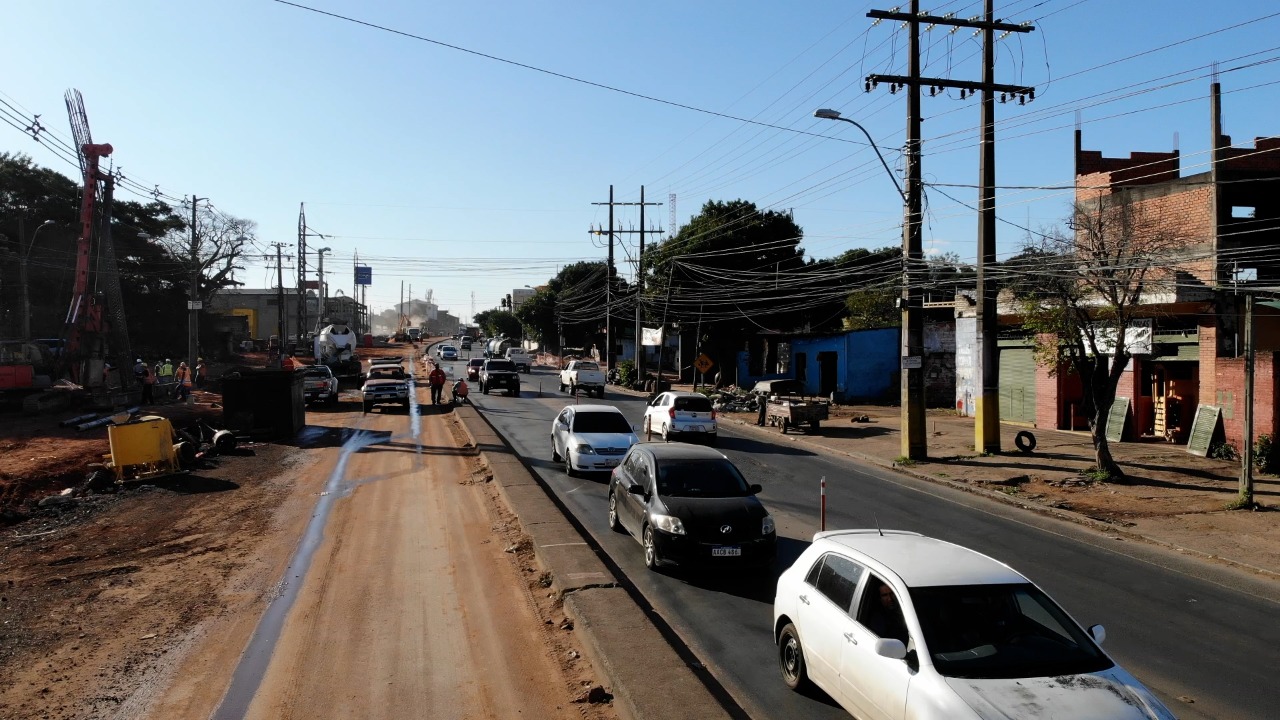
<point>590,438</point>
<point>678,415</point>
<point>897,625</point>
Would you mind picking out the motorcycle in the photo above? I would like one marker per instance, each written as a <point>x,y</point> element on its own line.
<point>460,392</point>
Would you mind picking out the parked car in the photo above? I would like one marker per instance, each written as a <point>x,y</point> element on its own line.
<point>473,368</point>
<point>320,385</point>
<point>590,437</point>
<point>584,375</point>
<point>496,374</point>
<point>677,415</point>
<point>690,505</point>
<point>386,385</point>
<point>448,352</point>
<point>895,624</point>
<point>780,387</point>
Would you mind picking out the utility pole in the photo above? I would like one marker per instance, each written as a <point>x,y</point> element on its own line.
<point>324,299</point>
<point>302,271</point>
<point>1245,499</point>
<point>914,442</point>
<point>639,271</point>
<point>193,292</point>
<point>279,302</point>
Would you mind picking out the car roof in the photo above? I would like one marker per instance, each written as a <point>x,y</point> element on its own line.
<point>594,408</point>
<point>921,561</point>
<point>684,393</point>
<point>679,451</point>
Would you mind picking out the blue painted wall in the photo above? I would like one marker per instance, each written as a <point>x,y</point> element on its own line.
<point>867,363</point>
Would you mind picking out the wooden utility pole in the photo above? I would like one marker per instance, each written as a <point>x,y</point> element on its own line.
<point>1245,499</point>
<point>914,443</point>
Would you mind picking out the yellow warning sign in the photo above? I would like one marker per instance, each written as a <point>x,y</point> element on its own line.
<point>703,363</point>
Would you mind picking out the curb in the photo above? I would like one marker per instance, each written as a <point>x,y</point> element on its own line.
<point>641,660</point>
<point>1029,505</point>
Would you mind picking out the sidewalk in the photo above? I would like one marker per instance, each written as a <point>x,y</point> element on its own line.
<point>1170,497</point>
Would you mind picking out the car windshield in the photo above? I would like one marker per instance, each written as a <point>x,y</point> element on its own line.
<point>476,362</point>
<point>1002,631</point>
<point>386,375</point>
<point>701,478</point>
<point>587,366</point>
<point>600,422</point>
<point>501,365</point>
<point>693,404</point>
<point>318,372</point>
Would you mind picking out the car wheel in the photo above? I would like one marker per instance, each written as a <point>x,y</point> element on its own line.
<point>515,391</point>
<point>651,559</point>
<point>561,387</point>
<point>711,441</point>
<point>367,407</point>
<point>666,433</point>
<point>484,389</point>
<point>791,659</point>
<point>600,393</point>
<point>555,454</point>
<point>568,464</point>
<point>614,524</point>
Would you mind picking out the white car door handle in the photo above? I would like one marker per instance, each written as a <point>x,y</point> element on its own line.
<point>804,599</point>
<point>849,636</point>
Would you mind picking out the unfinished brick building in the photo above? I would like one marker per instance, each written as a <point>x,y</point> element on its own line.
<point>1227,217</point>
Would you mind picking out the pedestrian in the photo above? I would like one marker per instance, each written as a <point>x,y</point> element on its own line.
<point>183,379</point>
<point>200,373</point>
<point>436,378</point>
<point>147,380</point>
<point>764,406</point>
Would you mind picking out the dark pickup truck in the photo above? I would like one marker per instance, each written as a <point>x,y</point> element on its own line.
<point>497,374</point>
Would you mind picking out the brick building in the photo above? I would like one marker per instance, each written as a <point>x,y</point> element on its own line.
<point>1190,350</point>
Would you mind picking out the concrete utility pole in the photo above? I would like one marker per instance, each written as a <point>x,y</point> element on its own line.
<point>987,429</point>
<point>324,292</point>
<point>1245,498</point>
<point>279,302</point>
<point>193,292</point>
<point>302,271</point>
<point>639,268</point>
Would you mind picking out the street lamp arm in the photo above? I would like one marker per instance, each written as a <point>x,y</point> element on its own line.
<point>31,246</point>
<point>827,114</point>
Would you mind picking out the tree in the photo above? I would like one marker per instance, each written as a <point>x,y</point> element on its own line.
<point>220,241</point>
<point>1079,293</point>
<point>498,322</point>
<point>571,306</point>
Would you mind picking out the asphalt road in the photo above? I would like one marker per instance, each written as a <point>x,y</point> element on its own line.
<point>1206,639</point>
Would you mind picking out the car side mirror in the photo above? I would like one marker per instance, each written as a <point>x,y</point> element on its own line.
<point>756,489</point>
<point>1098,633</point>
<point>636,489</point>
<point>891,648</point>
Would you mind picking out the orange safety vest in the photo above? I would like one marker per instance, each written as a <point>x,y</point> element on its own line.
<point>183,377</point>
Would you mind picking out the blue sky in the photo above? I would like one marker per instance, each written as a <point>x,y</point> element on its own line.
<point>461,174</point>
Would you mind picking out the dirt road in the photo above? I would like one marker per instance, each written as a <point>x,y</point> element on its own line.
<point>412,606</point>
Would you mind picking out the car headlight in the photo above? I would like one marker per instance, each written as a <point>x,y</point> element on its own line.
<point>668,523</point>
<point>585,449</point>
<point>767,526</point>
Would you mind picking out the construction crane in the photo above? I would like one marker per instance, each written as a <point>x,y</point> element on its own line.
<point>96,312</point>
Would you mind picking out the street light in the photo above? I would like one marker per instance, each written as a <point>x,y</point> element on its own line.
<point>22,276</point>
<point>324,303</point>
<point>829,114</point>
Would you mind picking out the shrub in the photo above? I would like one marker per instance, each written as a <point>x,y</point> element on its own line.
<point>626,373</point>
<point>1224,451</point>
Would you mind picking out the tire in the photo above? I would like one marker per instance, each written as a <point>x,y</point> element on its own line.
<point>515,391</point>
<point>484,389</point>
<point>573,389</point>
<point>651,558</point>
<point>568,465</point>
<point>1025,441</point>
<point>561,387</point>
<point>666,433</point>
<point>614,524</point>
<point>367,407</point>
<point>600,393</point>
<point>784,424</point>
<point>791,659</point>
<point>712,440</point>
<point>555,454</point>
<point>814,425</point>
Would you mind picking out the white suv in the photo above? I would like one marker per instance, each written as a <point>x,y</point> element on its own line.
<point>897,625</point>
<point>679,415</point>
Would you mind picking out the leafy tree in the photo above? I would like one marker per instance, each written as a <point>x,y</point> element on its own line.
<point>1082,291</point>
<point>498,322</point>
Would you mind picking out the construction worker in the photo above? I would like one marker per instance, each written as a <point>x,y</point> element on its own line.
<point>164,372</point>
<point>183,380</point>
<point>436,378</point>
<point>146,379</point>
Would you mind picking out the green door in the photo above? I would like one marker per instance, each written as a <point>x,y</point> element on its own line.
<point>1017,385</point>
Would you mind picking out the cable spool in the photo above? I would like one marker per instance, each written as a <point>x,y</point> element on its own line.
<point>224,441</point>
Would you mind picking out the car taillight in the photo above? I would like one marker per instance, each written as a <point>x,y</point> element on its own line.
<point>672,413</point>
<point>713,414</point>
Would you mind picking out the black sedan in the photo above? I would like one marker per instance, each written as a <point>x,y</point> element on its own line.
<point>689,505</point>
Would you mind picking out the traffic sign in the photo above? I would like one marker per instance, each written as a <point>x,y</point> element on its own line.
<point>703,363</point>
<point>364,275</point>
<point>912,362</point>
<point>195,304</point>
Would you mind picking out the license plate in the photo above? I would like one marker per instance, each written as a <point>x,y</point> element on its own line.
<point>695,428</point>
<point>726,551</point>
<point>610,463</point>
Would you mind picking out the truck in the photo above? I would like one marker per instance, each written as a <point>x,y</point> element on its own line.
<point>521,359</point>
<point>583,374</point>
<point>335,346</point>
<point>387,385</point>
<point>320,385</point>
<point>499,373</point>
<point>415,334</point>
<point>497,347</point>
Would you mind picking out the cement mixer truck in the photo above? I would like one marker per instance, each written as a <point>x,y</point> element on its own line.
<point>335,346</point>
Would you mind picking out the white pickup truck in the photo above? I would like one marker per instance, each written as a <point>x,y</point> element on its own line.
<point>583,374</point>
<point>523,360</point>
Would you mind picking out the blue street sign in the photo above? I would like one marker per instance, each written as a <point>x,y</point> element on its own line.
<point>364,275</point>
